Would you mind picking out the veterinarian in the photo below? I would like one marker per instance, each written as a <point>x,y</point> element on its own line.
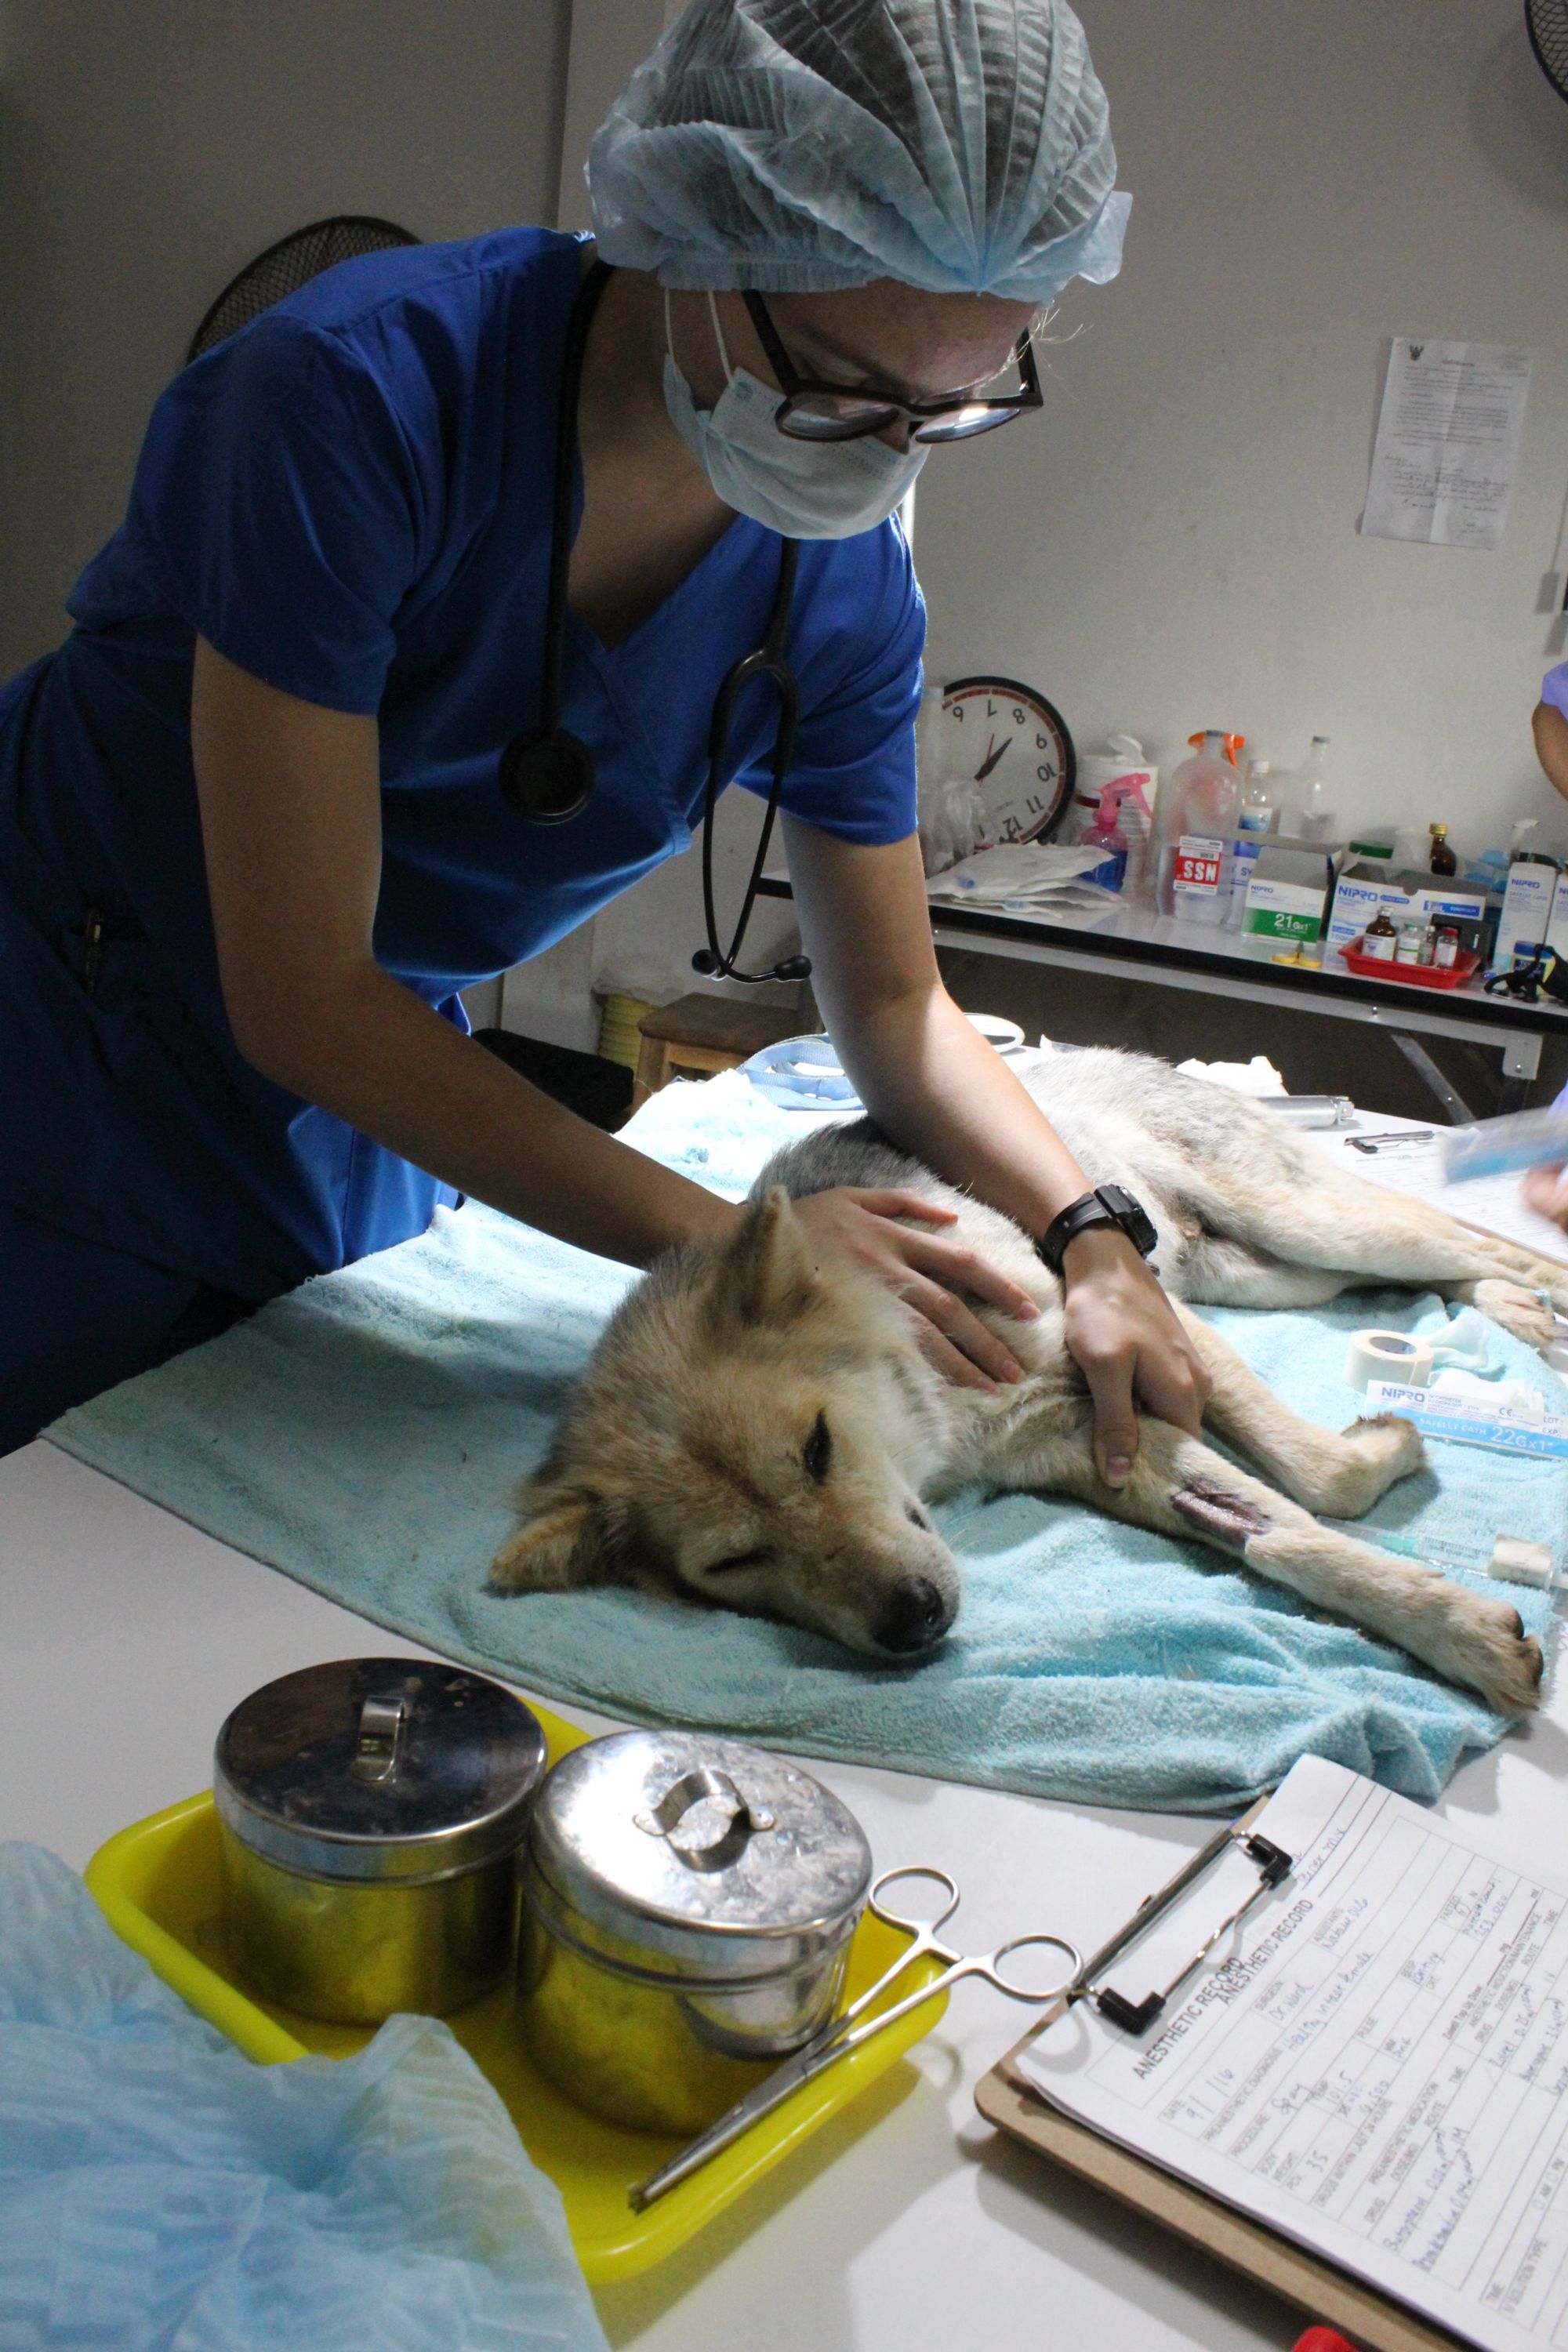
<point>252,839</point>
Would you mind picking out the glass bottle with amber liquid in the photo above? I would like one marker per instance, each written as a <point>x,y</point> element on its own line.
<point>1443,860</point>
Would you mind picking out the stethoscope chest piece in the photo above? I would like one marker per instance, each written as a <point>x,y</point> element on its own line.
<point>547,775</point>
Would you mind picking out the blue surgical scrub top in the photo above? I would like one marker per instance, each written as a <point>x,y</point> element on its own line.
<point>351,499</point>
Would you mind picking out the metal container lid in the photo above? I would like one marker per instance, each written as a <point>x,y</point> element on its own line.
<point>379,1769</point>
<point>706,1852</point>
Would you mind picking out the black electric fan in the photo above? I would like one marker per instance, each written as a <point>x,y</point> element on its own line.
<point>1547,23</point>
<point>292,263</point>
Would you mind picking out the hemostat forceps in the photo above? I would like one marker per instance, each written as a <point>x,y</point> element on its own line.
<point>845,2031</point>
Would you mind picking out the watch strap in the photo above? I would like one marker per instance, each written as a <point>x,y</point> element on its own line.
<point>1107,1204</point>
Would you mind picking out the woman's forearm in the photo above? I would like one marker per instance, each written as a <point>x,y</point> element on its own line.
<point>936,1088</point>
<point>1551,732</point>
<point>379,1057</point>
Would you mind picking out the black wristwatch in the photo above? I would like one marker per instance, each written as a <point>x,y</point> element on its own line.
<point>1107,1204</point>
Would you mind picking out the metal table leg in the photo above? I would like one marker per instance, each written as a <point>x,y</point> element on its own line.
<point>1520,1061</point>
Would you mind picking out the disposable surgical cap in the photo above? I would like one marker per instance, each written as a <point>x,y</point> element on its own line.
<point>790,145</point>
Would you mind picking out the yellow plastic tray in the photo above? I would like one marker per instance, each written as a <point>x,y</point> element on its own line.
<point>158,1884</point>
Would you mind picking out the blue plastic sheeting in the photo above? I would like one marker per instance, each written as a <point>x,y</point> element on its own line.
<point>161,2192</point>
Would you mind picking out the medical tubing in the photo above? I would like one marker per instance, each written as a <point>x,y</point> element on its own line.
<point>587,302</point>
<point>768,661</point>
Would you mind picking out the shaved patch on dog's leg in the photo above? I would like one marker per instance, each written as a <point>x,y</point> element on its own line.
<point>1220,1519</point>
<point>1179,1486</point>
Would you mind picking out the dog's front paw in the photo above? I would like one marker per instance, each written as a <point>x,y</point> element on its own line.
<point>1369,1457</point>
<point>1524,1312</point>
<point>1491,1653</point>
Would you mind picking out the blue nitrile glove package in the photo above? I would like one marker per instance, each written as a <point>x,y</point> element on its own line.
<point>161,2192</point>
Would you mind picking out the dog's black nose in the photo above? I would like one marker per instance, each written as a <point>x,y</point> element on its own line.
<point>913,1615</point>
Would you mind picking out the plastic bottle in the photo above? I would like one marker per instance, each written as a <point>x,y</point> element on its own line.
<point>1443,859</point>
<point>1195,824</point>
<point>1105,835</point>
<point>1135,822</point>
<point>1254,823</point>
<point>1312,813</point>
<point>1258,811</point>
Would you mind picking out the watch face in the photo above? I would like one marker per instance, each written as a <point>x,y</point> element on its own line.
<point>1017,747</point>
<point>1136,1221</point>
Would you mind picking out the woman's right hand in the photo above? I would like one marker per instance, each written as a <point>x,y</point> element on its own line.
<point>927,1272</point>
<point>1546,1191</point>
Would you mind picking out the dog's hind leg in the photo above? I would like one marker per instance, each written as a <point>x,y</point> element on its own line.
<point>1181,1487</point>
<point>1342,1473</point>
<point>1366,1235</point>
<point>1219,1272</point>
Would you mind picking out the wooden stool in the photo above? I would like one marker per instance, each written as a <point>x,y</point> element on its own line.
<point>704,1033</point>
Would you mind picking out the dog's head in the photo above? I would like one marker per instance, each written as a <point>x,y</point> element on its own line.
<point>750,1433</point>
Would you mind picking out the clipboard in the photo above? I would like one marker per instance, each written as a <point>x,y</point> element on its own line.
<point>1318,2288</point>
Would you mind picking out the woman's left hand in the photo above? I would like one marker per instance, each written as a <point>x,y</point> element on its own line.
<point>1124,1334</point>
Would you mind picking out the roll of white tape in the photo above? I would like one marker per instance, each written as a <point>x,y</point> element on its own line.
<point>1518,1561</point>
<point>1387,1356</point>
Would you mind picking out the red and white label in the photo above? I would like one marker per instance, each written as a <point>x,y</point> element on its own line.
<point>1198,866</point>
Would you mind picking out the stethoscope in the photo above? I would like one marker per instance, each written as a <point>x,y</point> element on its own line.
<point>546,773</point>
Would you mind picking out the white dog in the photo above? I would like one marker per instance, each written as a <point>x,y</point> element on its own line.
<point>763,1435</point>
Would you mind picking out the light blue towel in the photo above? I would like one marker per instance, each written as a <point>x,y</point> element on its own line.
<point>366,1432</point>
<point>160,2192</point>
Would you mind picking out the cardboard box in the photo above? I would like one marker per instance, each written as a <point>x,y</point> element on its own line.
<point>1287,894</point>
<point>1529,910</point>
<point>1362,890</point>
<point>1557,929</point>
<point>1408,896</point>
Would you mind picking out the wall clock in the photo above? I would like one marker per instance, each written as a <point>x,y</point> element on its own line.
<point>1015,746</point>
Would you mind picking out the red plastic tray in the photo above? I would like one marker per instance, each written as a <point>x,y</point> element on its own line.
<point>1411,975</point>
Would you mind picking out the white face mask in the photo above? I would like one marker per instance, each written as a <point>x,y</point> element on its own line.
<point>803,490</point>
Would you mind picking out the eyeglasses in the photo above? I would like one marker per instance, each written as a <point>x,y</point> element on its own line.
<point>814,411</point>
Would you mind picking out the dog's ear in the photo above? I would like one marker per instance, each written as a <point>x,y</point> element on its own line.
<point>558,1548</point>
<point>768,1276</point>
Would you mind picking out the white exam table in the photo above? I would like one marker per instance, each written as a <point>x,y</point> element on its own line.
<point>907,2225</point>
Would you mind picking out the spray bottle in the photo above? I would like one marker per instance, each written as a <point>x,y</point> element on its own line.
<point>1106,836</point>
<point>1122,830</point>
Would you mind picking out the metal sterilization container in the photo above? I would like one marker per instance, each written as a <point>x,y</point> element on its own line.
<point>688,1907</point>
<point>371,1813</point>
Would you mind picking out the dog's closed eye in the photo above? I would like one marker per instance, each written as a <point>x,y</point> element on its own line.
<point>817,1459</point>
<point>736,1560</point>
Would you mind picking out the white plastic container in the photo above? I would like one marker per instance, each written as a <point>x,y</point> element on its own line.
<point>1310,812</point>
<point>1195,825</point>
<point>1527,908</point>
<point>1255,820</point>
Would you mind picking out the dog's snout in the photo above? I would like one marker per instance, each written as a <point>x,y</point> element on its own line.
<point>913,1615</point>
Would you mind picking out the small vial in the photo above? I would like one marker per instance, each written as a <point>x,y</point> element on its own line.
<point>1445,953</point>
<point>1428,946</point>
<point>1407,948</point>
<point>1443,859</point>
<point>1380,939</point>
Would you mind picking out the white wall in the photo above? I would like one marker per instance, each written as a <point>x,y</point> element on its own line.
<point>1173,543</point>
<point>148,152</point>
<point>642,943</point>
